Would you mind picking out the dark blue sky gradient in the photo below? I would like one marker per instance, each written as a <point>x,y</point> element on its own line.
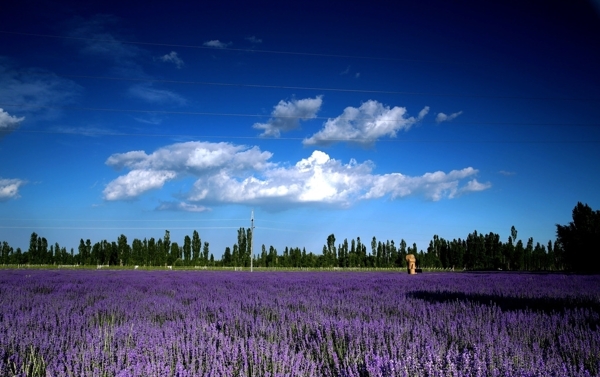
<point>86,83</point>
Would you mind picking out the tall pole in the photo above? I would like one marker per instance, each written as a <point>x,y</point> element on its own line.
<point>251,239</point>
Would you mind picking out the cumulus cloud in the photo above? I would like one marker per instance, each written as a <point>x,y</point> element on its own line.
<point>228,173</point>
<point>365,124</point>
<point>9,188</point>
<point>8,123</point>
<point>194,157</point>
<point>148,93</point>
<point>136,182</point>
<point>321,179</point>
<point>474,186</point>
<point>441,117</point>
<point>151,171</point>
<point>216,44</point>
<point>172,57</point>
<point>433,186</point>
<point>286,116</point>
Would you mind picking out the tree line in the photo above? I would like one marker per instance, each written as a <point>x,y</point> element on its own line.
<point>574,249</point>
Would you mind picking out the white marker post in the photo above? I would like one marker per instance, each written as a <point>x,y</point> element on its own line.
<point>252,239</point>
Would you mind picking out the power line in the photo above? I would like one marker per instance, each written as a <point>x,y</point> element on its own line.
<point>120,220</point>
<point>241,115</point>
<point>113,228</point>
<point>380,140</point>
<point>323,89</point>
<point>225,48</point>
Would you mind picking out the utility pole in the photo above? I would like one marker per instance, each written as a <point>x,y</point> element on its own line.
<point>251,239</point>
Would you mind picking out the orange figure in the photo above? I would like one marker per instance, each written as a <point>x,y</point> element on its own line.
<point>411,262</point>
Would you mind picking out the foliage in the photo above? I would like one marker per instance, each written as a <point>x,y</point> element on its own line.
<point>573,249</point>
<point>579,239</point>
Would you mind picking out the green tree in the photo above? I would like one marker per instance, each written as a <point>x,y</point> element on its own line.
<point>196,245</point>
<point>205,252</point>
<point>187,250</point>
<point>519,261</point>
<point>124,251</point>
<point>174,256</point>
<point>6,252</point>
<point>137,252</point>
<point>81,249</point>
<point>32,253</point>
<point>331,257</point>
<point>227,258</point>
<point>580,239</point>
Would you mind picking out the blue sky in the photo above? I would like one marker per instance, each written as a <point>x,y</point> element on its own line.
<point>398,120</point>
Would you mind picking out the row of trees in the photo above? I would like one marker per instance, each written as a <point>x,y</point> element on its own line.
<point>147,252</point>
<point>477,251</point>
<point>574,249</point>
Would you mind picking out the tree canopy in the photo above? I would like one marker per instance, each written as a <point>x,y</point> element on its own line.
<point>579,240</point>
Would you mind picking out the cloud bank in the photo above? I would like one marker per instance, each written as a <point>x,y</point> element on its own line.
<point>364,125</point>
<point>286,116</point>
<point>225,173</point>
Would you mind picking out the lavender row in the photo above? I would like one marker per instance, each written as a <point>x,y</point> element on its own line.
<point>167,323</point>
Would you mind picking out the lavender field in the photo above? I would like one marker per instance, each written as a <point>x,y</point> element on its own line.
<point>177,323</point>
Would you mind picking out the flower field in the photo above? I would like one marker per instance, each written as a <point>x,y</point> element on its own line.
<point>191,323</point>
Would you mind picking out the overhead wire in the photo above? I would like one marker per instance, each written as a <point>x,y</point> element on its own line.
<point>224,48</point>
<point>323,89</point>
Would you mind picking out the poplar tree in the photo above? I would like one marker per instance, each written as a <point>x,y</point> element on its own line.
<point>196,244</point>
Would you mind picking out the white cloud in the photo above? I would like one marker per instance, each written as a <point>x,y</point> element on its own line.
<point>357,75</point>
<point>135,183</point>
<point>227,173</point>
<point>9,188</point>
<point>216,44</point>
<point>8,123</point>
<point>157,96</point>
<point>441,117</point>
<point>181,206</point>
<point>316,179</point>
<point>286,116</point>
<point>194,158</point>
<point>434,186</point>
<point>321,179</point>
<point>172,57</point>
<point>254,40</point>
<point>151,171</point>
<point>365,124</point>
<point>345,71</point>
<point>474,186</point>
